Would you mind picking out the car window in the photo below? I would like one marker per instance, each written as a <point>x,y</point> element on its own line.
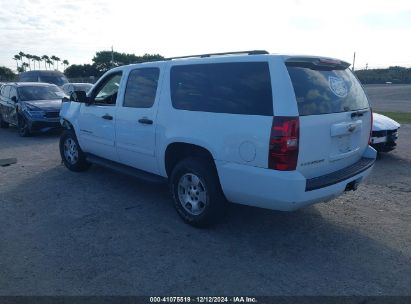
<point>47,92</point>
<point>326,91</point>
<point>141,88</point>
<point>13,92</point>
<point>57,80</point>
<point>237,88</point>
<point>106,92</point>
<point>5,92</point>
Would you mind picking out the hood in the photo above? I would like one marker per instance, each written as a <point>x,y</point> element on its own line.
<point>381,122</point>
<point>53,104</point>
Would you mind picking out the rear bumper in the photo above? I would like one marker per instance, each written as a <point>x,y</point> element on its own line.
<point>287,190</point>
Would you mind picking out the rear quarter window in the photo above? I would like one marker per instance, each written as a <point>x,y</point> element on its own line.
<point>236,88</point>
<point>326,91</point>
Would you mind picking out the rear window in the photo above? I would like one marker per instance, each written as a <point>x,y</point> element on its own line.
<point>237,88</point>
<point>57,80</point>
<point>326,91</point>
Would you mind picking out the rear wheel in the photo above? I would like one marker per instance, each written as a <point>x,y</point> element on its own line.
<point>23,126</point>
<point>196,192</point>
<point>71,154</point>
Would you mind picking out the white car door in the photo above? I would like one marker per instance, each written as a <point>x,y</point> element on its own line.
<point>97,120</point>
<point>136,119</point>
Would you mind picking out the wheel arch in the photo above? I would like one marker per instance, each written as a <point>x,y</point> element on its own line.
<point>176,151</point>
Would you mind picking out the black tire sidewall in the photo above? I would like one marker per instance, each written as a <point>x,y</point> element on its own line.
<point>81,163</point>
<point>216,203</point>
<point>21,119</point>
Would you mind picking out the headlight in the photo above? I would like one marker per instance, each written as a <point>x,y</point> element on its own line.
<point>33,111</point>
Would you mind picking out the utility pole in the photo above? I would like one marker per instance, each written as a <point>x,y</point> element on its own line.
<point>353,63</point>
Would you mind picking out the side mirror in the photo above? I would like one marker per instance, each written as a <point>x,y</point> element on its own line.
<point>14,99</point>
<point>65,99</point>
<point>79,96</point>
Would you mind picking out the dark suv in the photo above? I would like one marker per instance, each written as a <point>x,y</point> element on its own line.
<point>30,106</point>
<point>54,77</point>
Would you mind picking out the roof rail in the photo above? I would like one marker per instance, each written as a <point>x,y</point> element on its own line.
<point>253,52</point>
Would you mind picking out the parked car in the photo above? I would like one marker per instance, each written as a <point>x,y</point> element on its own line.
<point>278,132</point>
<point>69,88</point>
<point>384,133</point>
<point>30,106</point>
<point>53,77</point>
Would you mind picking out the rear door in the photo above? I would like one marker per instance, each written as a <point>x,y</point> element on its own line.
<point>335,118</point>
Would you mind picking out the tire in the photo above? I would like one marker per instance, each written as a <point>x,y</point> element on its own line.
<point>3,124</point>
<point>196,192</point>
<point>23,126</point>
<point>71,154</point>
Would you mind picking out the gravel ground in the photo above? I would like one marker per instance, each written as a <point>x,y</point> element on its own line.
<point>391,97</point>
<point>103,233</point>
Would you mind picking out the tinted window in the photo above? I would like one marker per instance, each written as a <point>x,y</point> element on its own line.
<point>5,91</point>
<point>82,87</point>
<point>141,88</point>
<point>326,91</point>
<point>237,88</point>
<point>13,92</point>
<point>57,80</point>
<point>106,92</point>
<point>27,93</point>
<point>29,78</point>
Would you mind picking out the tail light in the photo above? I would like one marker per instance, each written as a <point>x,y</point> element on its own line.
<point>283,149</point>
<point>369,138</point>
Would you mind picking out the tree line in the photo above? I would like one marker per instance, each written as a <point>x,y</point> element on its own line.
<point>106,60</point>
<point>27,60</point>
<point>395,74</point>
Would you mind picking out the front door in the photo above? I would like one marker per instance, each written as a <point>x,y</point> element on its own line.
<point>136,119</point>
<point>97,120</point>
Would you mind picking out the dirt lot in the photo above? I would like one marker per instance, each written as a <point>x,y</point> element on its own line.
<point>101,232</point>
<point>391,98</point>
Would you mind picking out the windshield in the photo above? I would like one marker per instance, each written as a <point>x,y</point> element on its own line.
<point>326,91</point>
<point>82,87</point>
<point>57,80</point>
<point>27,93</point>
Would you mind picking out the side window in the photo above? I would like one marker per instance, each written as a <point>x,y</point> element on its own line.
<point>5,91</point>
<point>106,92</point>
<point>234,87</point>
<point>13,92</point>
<point>141,88</point>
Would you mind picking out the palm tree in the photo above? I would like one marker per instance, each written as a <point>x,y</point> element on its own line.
<point>38,59</point>
<point>45,58</point>
<point>54,59</point>
<point>17,58</point>
<point>24,65</point>
<point>48,61</point>
<point>22,55</point>
<point>65,63</point>
<point>29,57</point>
<point>57,59</point>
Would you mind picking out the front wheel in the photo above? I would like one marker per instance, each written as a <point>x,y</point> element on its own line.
<point>196,191</point>
<point>71,154</point>
<point>3,124</point>
<point>23,126</point>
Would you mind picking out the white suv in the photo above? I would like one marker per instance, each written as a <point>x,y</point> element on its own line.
<point>273,131</point>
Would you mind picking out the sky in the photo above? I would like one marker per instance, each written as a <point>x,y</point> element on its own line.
<point>378,31</point>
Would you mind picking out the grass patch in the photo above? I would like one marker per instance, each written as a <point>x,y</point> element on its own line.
<point>401,117</point>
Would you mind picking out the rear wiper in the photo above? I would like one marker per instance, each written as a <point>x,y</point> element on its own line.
<point>358,113</point>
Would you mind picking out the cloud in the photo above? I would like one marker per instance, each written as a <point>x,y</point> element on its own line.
<point>76,29</point>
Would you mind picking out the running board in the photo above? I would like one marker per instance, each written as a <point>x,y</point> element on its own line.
<point>150,177</point>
